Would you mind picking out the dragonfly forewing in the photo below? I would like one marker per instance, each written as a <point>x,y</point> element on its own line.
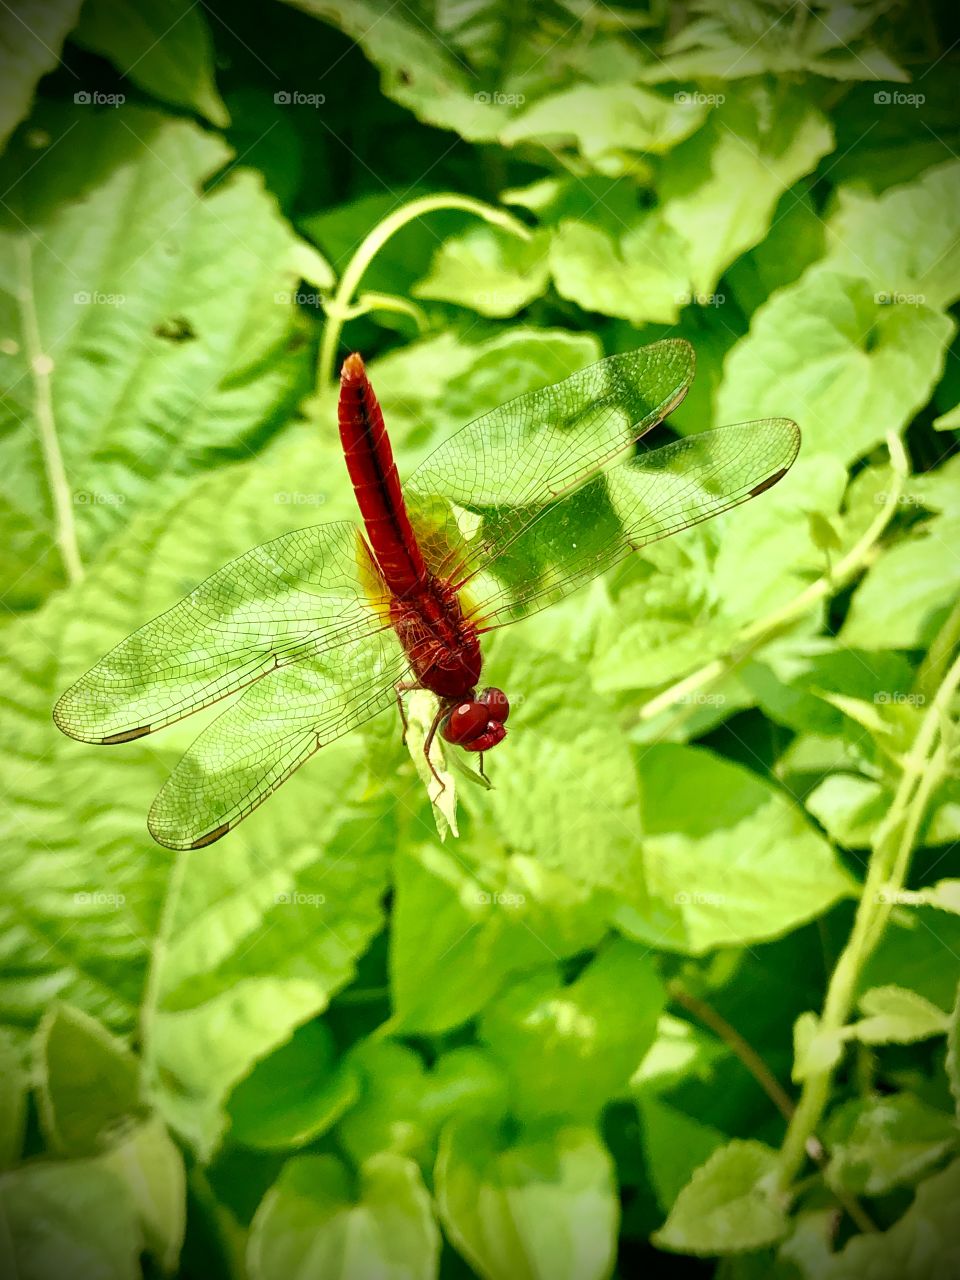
<point>293,598</point>
<point>471,498</point>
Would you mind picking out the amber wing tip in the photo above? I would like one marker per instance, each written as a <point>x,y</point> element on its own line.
<point>352,368</point>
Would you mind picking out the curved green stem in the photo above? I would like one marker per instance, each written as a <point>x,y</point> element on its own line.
<point>761,632</point>
<point>368,302</point>
<point>41,369</point>
<point>923,767</point>
<point>371,246</point>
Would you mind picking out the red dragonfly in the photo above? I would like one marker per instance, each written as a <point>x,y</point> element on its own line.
<point>325,627</point>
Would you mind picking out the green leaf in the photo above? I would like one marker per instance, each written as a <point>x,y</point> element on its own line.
<point>953,1053</point>
<point>66,1219</point>
<point>896,1015</point>
<point>720,189</point>
<point>28,50</point>
<point>87,1080</point>
<point>675,1145</point>
<point>738,865</point>
<point>917,951</point>
<point>151,1169</point>
<point>78,914</point>
<point>457,934</point>
<point>294,1095</point>
<point>922,1244</point>
<point>163,46</point>
<point>541,1205</point>
<point>13,1101</point>
<point>608,125</point>
<point>140,312</point>
<point>728,1206</point>
<point>945,894</point>
<point>849,808</point>
<point>418,69</point>
<point>570,751</point>
<point>901,601</point>
<point>904,241</point>
<point>389,1114</point>
<point>680,1051</point>
<point>877,1144</point>
<point>487,270</point>
<point>814,1052</point>
<point>845,365</point>
<point>402,1105</point>
<point>314,1222</point>
<point>751,38</point>
<point>255,945</point>
<point>586,1037</point>
<point>640,273</point>
<point>794,241</point>
<point>435,775</point>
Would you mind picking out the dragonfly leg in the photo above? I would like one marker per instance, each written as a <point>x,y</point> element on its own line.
<point>405,686</point>
<point>428,743</point>
<point>480,766</point>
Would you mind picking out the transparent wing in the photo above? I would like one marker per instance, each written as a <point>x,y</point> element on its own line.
<point>298,596</point>
<point>257,743</point>
<point>566,543</point>
<point>473,495</point>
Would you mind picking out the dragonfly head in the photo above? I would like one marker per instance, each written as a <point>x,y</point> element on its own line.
<point>477,724</point>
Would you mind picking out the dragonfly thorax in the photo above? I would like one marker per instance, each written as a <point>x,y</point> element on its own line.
<point>442,645</point>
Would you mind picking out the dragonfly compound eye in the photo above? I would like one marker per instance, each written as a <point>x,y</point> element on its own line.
<point>495,700</point>
<point>467,720</point>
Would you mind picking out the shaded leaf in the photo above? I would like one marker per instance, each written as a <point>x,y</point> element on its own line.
<point>313,1222</point>
<point>541,1206</point>
<point>163,46</point>
<point>728,1206</point>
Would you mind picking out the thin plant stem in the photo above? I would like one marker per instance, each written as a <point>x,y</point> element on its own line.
<point>735,1042</point>
<point>922,769</point>
<point>41,368</point>
<point>339,307</point>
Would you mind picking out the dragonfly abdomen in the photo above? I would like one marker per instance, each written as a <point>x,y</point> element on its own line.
<point>373,473</point>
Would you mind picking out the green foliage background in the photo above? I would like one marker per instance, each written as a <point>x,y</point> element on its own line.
<point>714,885</point>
